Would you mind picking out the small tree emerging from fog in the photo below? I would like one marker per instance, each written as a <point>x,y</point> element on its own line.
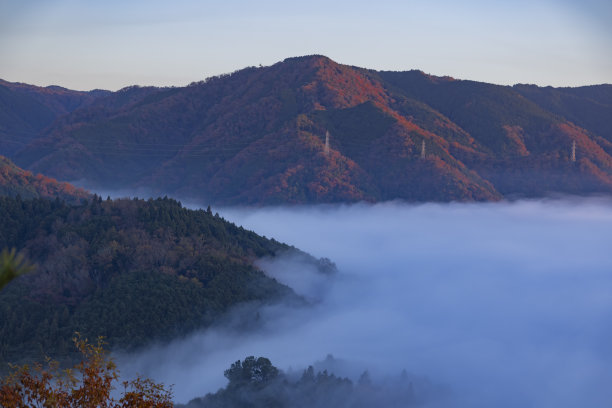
<point>86,385</point>
<point>252,371</point>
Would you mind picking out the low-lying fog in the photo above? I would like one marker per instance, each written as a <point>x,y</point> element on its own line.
<point>506,305</point>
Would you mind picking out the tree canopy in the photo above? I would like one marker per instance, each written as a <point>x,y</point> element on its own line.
<point>89,384</point>
<point>130,270</point>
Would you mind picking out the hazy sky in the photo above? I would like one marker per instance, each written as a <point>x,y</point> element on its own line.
<point>85,44</point>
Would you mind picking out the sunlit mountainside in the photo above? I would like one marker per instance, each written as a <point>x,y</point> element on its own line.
<point>15,181</point>
<point>258,135</point>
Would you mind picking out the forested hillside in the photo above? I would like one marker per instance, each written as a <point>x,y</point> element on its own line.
<point>18,182</point>
<point>310,130</point>
<point>26,110</point>
<point>132,271</point>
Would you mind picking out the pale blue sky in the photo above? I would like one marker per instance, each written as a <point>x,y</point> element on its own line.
<point>110,44</point>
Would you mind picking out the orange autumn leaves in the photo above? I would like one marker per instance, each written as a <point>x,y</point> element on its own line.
<point>89,384</point>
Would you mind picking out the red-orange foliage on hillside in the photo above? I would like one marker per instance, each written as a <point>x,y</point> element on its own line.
<point>15,181</point>
<point>89,384</point>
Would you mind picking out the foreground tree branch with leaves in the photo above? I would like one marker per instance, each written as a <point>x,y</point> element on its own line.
<point>12,265</point>
<point>89,384</point>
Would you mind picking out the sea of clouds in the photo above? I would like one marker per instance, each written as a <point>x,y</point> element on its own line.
<point>500,304</point>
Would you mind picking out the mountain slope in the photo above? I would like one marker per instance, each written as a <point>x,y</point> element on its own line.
<point>132,271</point>
<point>589,107</point>
<point>25,110</point>
<point>18,182</point>
<point>257,136</point>
<point>527,147</point>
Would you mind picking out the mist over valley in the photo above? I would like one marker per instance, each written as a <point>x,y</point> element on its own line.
<point>503,304</point>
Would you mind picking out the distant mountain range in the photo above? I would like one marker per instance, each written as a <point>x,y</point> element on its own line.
<point>258,136</point>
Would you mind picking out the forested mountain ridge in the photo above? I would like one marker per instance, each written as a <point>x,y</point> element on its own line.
<point>18,182</point>
<point>132,271</point>
<point>26,110</point>
<point>259,136</point>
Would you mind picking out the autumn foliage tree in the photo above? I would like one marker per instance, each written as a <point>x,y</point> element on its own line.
<point>89,384</point>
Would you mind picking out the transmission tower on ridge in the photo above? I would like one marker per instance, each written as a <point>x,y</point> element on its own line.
<point>423,150</point>
<point>573,151</point>
<point>326,151</point>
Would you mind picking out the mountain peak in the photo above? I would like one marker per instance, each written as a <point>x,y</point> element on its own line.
<point>333,85</point>
<point>314,58</point>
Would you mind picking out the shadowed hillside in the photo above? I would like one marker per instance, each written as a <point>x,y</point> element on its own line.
<point>132,271</point>
<point>26,110</point>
